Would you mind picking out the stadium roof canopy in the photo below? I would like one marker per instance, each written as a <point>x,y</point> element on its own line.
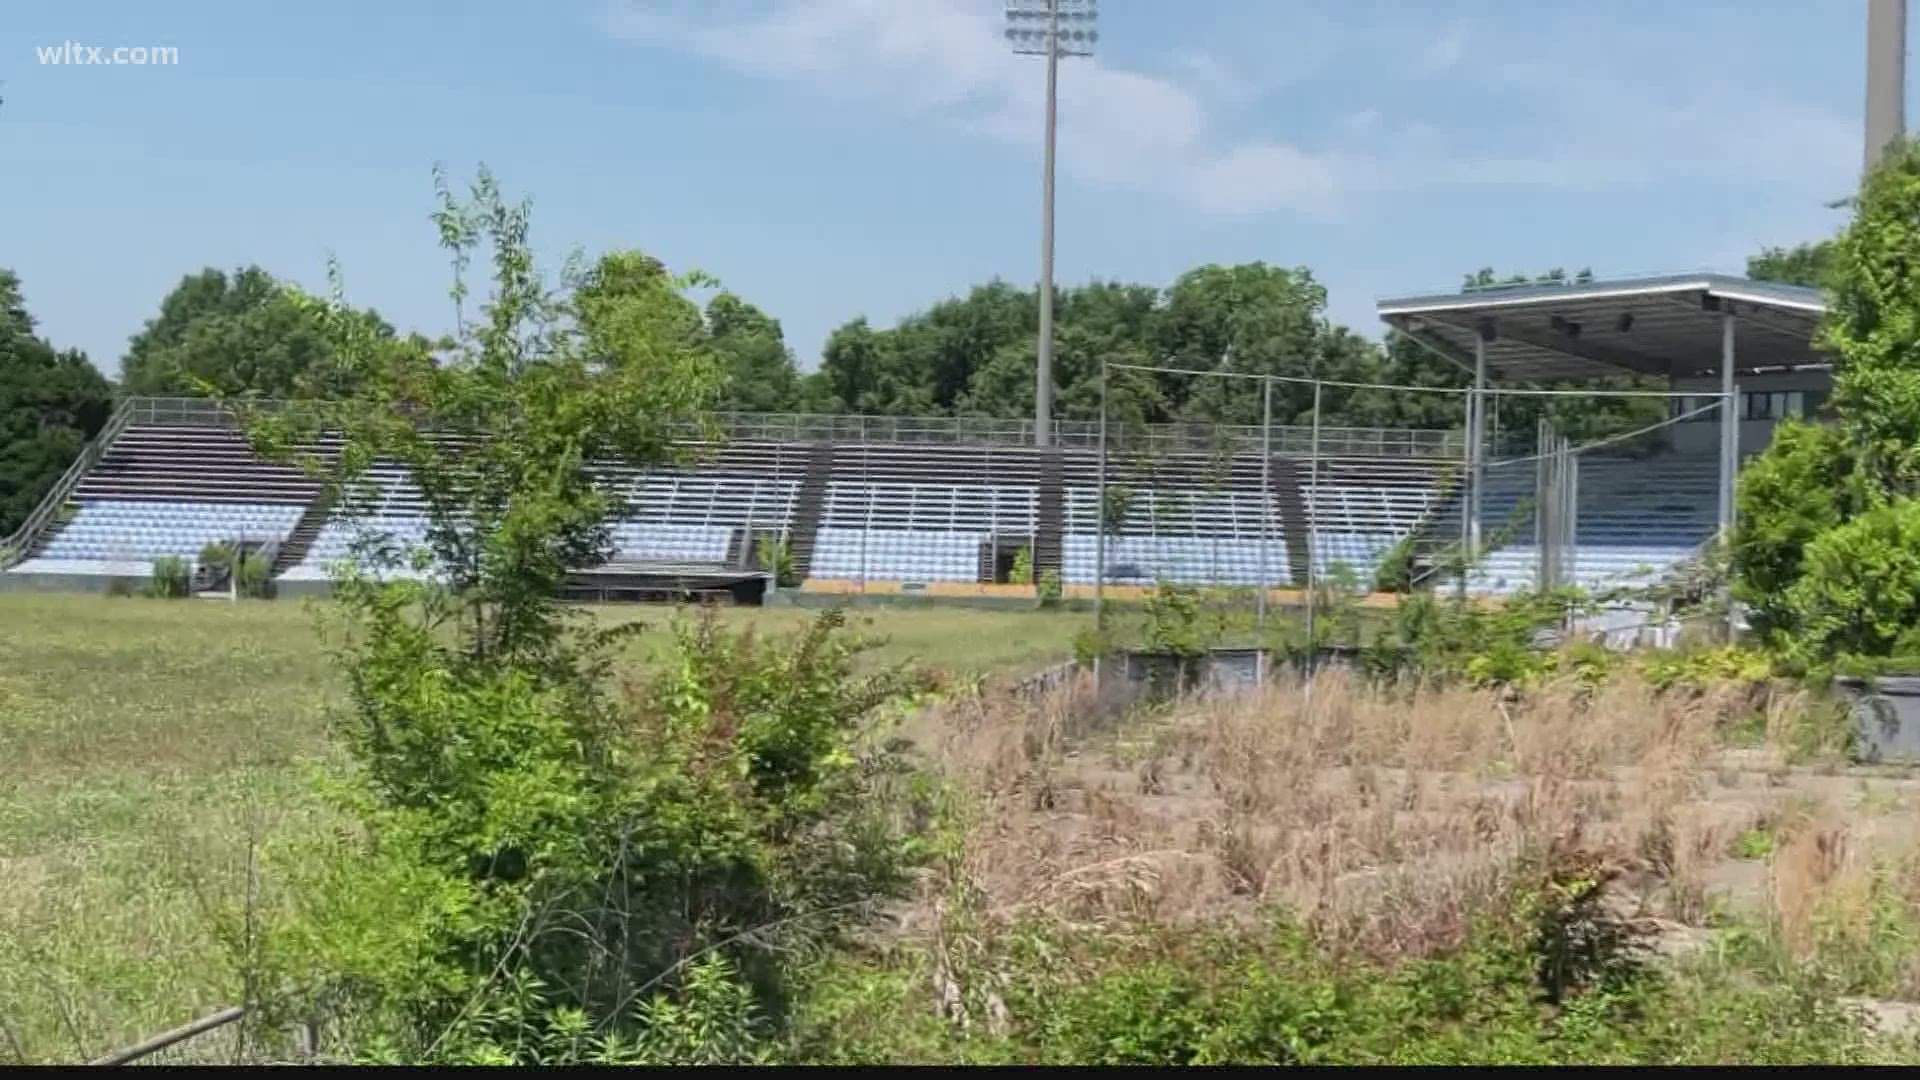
<point>1671,326</point>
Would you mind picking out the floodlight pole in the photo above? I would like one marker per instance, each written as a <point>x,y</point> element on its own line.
<point>1043,375</point>
<point>1886,76</point>
<point>1022,16</point>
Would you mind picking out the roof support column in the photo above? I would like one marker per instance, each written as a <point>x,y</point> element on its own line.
<point>1729,446</point>
<point>1476,437</point>
<point>1729,423</point>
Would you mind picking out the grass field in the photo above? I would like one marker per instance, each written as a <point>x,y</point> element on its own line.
<point>146,745</point>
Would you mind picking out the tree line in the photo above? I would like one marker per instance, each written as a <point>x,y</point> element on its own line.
<point>241,334</point>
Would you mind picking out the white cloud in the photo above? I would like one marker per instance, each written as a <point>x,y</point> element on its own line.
<point>1442,53</point>
<point>1124,128</point>
<point>1217,79</point>
<point>1596,105</point>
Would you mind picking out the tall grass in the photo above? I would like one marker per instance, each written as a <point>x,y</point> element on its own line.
<point>1386,832</point>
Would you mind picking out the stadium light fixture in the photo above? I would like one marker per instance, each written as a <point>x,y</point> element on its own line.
<point>1049,28</point>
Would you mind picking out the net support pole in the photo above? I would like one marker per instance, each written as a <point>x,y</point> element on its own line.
<point>1099,513</point>
<point>1729,443</point>
<point>1570,479</point>
<point>1476,439</point>
<point>1313,529</point>
<point>1544,507</point>
<point>1266,509</point>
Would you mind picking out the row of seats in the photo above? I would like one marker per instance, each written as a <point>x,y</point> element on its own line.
<point>1516,569</point>
<point>928,507</point>
<point>631,539</point>
<point>140,532</point>
<point>1188,560</point>
<point>897,554</point>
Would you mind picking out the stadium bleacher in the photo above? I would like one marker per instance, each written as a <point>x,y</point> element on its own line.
<point>168,491</point>
<point>909,513</point>
<point>1638,518</point>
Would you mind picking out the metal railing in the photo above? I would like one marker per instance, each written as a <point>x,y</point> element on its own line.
<point>967,431</point>
<point>1085,434</point>
<point>15,547</point>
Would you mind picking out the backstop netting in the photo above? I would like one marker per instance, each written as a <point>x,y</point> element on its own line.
<point>1603,489</point>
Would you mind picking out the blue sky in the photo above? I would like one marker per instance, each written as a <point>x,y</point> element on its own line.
<point>832,158</point>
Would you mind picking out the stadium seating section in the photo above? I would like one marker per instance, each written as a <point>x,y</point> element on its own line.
<point>910,512</point>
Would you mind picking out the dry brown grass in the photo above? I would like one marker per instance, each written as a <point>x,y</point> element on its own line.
<point>1384,819</point>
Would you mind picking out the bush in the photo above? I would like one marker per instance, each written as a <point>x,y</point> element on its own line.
<point>512,828</point>
<point>775,556</point>
<point>1545,977</point>
<point>217,555</point>
<point>1395,572</point>
<point>1176,622</point>
<point>254,577</point>
<point>118,587</point>
<point>172,578</point>
<point>1050,588</point>
<point>1788,495</point>
<point>1093,643</point>
<point>1860,590</point>
<point>1022,570</point>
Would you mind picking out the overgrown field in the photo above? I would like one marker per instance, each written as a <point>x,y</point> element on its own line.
<point>146,745</point>
<point>1581,872</point>
<point>1594,868</point>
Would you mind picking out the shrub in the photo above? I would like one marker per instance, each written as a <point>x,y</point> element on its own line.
<point>1395,572</point>
<point>543,856</point>
<point>217,555</point>
<point>1788,495</point>
<point>1544,977</point>
<point>1022,570</point>
<point>511,829</point>
<point>118,587</point>
<point>1093,643</point>
<point>775,555</point>
<point>172,578</point>
<point>1176,622</point>
<point>254,577</point>
<point>1859,593</point>
<point>1050,588</point>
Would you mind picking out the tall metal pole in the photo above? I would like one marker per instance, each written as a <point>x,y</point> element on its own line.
<point>1100,513</point>
<point>1729,444</point>
<point>1476,441</point>
<point>1886,76</point>
<point>1043,374</point>
<point>1313,528</point>
<point>1545,509</point>
<point>1266,508</point>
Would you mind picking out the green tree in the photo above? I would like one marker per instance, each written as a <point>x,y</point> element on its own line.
<point>1872,328</point>
<point>1859,593</point>
<point>760,371</point>
<point>1825,513</point>
<point>543,862</point>
<point>51,402</point>
<point>1789,495</point>
<point>234,335</point>
<point>1253,318</point>
<point>1803,264</point>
